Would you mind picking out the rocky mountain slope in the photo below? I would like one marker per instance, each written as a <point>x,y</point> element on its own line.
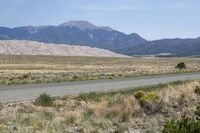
<point>73,32</point>
<point>165,47</point>
<point>16,47</point>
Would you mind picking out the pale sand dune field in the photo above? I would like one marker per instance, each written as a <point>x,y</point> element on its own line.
<point>16,47</point>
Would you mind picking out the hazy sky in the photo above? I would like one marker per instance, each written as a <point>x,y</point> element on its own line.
<point>152,19</point>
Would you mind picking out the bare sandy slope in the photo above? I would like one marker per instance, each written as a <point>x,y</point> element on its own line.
<point>16,47</point>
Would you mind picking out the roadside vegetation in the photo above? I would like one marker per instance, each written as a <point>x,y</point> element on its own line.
<point>44,100</point>
<point>40,69</point>
<point>148,109</point>
<point>186,124</point>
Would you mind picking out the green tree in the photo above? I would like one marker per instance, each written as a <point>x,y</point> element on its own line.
<point>180,66</point>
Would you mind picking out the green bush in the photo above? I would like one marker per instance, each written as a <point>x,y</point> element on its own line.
<point>197,90</point>
<point>197,111</point>
<point>44,100</point>
<point>184,125</point>
<point>150,97</point>
<point>146,98</point>
<point>139,94</point>
<point>1,106</point>
<point>75,77</point>
<point>180,66</point>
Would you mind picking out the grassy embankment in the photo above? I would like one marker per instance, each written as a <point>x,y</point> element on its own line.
<point>39,69</point>
<point>144,109</point>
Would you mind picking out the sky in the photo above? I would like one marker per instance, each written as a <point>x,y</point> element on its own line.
<point>152,19</point>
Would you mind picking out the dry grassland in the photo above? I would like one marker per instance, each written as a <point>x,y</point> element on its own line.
<point>37,69</point>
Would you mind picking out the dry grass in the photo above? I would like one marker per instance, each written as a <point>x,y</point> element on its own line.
<point>36,69</point>
<point>102,112</point>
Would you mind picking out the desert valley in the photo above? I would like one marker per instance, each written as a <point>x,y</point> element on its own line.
<point>140,74</point>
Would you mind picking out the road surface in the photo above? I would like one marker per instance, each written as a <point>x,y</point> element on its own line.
<point>31,91</point>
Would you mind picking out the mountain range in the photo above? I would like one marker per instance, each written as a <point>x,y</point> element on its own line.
<point>83,33</point>
<point>165,47</point>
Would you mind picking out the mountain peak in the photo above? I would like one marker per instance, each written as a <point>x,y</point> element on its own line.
<point>84,25</point>
<point>80,24</point>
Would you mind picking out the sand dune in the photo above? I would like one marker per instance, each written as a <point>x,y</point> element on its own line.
<point>18,47</point>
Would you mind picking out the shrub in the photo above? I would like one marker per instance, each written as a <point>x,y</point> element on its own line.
<point>74,77</point>
<point>197,90</point>
<point>44,100</point>
<point>146,98</point>
<point>197,111</point>
<point>1,106</point>
<point>180,66</point>
<point>139,94</point>
<point>184,125</point>
<point>90,96</point>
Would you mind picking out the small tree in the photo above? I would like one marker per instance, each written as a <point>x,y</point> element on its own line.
<point>180,66</point>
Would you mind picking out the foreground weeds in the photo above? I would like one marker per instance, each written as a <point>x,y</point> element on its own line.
<point>143,109</point>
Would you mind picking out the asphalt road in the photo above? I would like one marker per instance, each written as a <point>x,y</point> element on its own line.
<point>31,91</point>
